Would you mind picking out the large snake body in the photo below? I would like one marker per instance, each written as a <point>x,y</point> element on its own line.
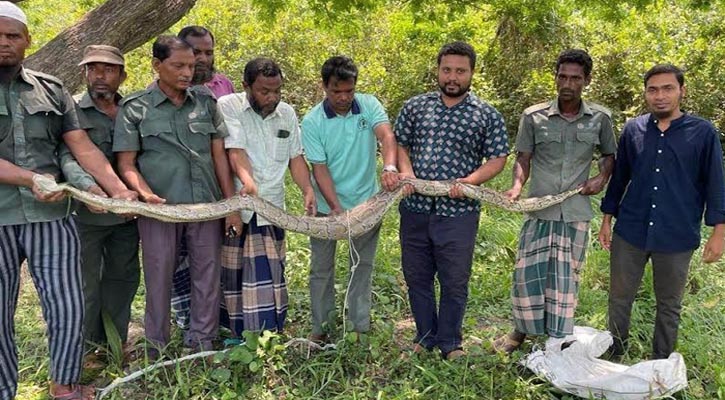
<point>352,223</point>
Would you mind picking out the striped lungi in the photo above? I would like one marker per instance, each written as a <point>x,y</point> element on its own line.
<point>546,276</point>
<point>253,283</point>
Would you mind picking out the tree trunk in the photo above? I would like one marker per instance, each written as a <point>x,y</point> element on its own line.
<point>125,24</point>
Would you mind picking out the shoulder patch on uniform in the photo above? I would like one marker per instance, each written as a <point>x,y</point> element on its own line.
<point>133,96</point>
<point>43,76</point>
<point>537,107</point>
<point>600,108</point>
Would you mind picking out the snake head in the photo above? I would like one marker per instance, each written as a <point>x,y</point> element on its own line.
<point>46,184</point>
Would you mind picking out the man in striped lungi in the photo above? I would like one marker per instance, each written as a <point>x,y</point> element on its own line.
<point>555,145</point>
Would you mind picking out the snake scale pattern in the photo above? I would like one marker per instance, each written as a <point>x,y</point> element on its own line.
<point>352,223</point>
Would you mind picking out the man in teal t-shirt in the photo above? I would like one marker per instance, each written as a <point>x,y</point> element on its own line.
<point>339,136</point>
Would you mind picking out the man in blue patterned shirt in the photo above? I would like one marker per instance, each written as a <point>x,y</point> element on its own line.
<point>445,135</point>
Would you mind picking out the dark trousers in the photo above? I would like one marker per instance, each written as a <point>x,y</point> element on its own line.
<point>669,271</point>
<point>111,273</point>
<point>443,246</point>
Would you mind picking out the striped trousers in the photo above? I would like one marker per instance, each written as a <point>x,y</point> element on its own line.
<point>53,253</point>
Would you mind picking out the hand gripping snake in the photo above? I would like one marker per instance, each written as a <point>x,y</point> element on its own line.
<point>352,223</point>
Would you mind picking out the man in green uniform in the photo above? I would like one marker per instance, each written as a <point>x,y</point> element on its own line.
<point>109,242</point>
<point>170,144</point>
<point>36,115</point>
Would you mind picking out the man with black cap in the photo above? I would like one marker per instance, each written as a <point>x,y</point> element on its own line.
<point>109,242</point>
<point>36,115</point>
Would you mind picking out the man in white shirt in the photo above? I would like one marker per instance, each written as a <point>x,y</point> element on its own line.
<point>264,140</point>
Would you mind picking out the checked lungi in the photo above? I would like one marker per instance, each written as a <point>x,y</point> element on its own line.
<point>546,276</point>
<point>253,282</point>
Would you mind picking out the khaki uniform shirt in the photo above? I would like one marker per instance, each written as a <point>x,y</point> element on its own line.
<point>100,130</point>
<point>35,112</point>
<point>173,143</point>
<point>563,151</point>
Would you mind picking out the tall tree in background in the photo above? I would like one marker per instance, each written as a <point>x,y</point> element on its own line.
<point>125,24</point>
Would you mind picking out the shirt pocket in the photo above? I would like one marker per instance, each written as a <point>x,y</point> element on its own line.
<point>42,121</point>
<point>152,133</point>
<point>201,132</point>
<point>102,139</point>
<point>280,148</point>
<point>543,135</point>
<point>588,135</point>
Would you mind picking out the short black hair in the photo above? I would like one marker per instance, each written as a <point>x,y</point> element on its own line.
<point>341,67</point>
<point>196,31</point>
<point>665,69</point>
<point>261,66</point>
<point>575,56</point>
<point>165,44</point>
<point>458,48</point>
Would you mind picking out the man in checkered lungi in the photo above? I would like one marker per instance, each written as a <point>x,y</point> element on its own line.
<point>555,145</point>
<point>264,140</point>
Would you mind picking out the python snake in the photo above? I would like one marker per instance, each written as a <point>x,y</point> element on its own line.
<point>352,223</point>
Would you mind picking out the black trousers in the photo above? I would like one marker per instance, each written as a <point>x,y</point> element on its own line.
<point>669,271</point>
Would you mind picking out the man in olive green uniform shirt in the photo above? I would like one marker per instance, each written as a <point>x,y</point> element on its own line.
<point>170,148</point>
<point>109,242</point>
<point>556,144</point>
<point>36,115</point>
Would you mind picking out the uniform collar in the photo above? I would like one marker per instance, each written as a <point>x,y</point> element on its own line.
<point>87,102</point>
<point>158,96</point>
<point>583,109</point>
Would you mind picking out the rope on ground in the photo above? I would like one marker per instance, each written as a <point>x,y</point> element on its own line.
<point>128,378</point>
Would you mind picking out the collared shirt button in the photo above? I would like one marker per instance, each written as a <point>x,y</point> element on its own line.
<point>662,135</point>
<point>659,151</point>
<point>655,188</point>
<point>657,170</point>
<point>651,223</point>
<point>654,205</point>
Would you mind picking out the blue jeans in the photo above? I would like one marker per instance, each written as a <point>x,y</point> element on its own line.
<point>443,246</point>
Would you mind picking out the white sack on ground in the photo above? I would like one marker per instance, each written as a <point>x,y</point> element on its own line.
<point>577,370</point>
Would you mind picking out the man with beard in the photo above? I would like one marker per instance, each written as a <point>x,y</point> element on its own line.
<point>263,142</point>
<point>340,137</point>
<point>202,41</point>
<point>37,114</point>
<point>445,135</point>
<point>170,148</point>
<point>555,145</point>
<point>669,167</point>
<point>109,242</point>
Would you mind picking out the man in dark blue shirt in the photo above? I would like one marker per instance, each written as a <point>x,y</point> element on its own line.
<point>669,166</point>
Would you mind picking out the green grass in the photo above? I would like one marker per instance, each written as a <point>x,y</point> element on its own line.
<point>370,367</point>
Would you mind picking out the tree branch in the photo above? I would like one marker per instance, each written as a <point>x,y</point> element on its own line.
<point>125,24</point>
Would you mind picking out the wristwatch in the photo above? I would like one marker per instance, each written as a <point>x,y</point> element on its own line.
<point>390,168</point>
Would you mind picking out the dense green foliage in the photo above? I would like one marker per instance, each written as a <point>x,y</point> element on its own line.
<point>395,43</point>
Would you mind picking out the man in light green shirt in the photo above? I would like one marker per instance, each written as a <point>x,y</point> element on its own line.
<point>340,137</point>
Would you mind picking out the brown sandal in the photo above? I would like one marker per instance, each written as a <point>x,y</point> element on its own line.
<point>505,344</point>
<point>78,392</point>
